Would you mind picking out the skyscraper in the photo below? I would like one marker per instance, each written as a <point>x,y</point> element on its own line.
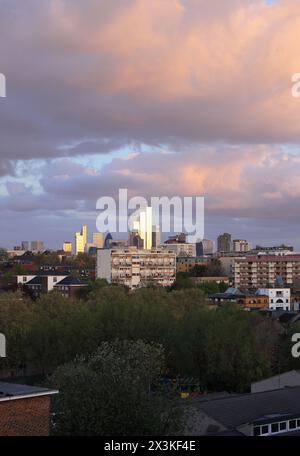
<point>98,240</point>
<point>81,240</point>
<point>155,236</point>
<point>37,246</point>
<point>224,243</point>
<point>204,247</point>
<point>67,247</point>
<point>25,245</point>
<point>142,224</point>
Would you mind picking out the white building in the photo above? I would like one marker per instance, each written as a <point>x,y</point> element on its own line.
<point>135,268</point>
<point>181,250</point>
<point>240,245</point>
<point>142,223</point>
<point>279,298</point>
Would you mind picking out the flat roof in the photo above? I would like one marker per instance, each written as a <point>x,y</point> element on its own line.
<point>10,391</point>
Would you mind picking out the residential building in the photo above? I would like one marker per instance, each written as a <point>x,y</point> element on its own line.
<point>218,280</point>
<point>279,298</point>
<point>81,240</point>
<point>204,247</point>
<point>267,413</point>
<point>67,247</point>
<point>70,287</point>
<point>24,410</point>
<point>264,271</point>
<point>177,239</point>
<point>240,246</point>
<point>134,267</point>
<point>186,263</point>
<point>247,300</point>
<point>224,242</point>
<point>181,250</point>
<point>42,283</point>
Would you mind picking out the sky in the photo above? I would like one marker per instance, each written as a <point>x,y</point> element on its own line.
<point>162,97</point>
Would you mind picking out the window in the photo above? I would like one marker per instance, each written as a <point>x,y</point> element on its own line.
<point>54,279</point>
<point>283,426</point>
<point>256,430</point>
<point>293,424</point>
<point>24,279</point>
<point>275,427</point>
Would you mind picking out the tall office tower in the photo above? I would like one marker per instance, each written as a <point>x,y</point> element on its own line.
<point>155,236</point>
<point>67,247</point>
<point>135,239</point>
<point>240,245</point>
<point>80,240</point>
<point>25,246</point>
<point>224,242</point>
<point>142,223</point>
<point>37,246</point>
<point>204,247</point>
<point>98,240</point>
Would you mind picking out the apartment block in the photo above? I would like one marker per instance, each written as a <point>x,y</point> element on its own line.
<point>181,250</point>
<point>266,271</point>
<point>135,268</point>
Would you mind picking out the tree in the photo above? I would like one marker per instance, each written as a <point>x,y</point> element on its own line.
<point>212,269</point>
<point>182,281</point>
<point>116,391</point>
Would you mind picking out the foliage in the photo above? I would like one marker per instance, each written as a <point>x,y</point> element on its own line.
<point>112,392</point>
<point>212,269</point>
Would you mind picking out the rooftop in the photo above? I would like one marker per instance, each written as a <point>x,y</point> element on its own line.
<point>237,410</point>
<point>10,391</point>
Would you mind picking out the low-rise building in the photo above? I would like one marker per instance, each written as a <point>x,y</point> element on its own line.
<point>70,287</point>
<point>135,268</point>
<point>181,250</point>
<point>187,263</point>
<point>267,413</point>
<point>279,298</point>
<point>24,410</point>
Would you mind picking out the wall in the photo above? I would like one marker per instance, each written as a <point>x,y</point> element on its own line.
<point>25,417</point>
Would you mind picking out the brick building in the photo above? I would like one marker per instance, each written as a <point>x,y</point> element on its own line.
<point>24,410</point>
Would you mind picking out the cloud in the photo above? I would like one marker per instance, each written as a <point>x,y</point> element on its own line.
<point>207,84</point>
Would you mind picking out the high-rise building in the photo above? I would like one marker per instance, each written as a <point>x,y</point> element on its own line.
<point>204,247</point>
<point>135,239</point>
<point>67,247</point>
<point>37,246</point>
<point>98,240</point>
<point>135,268</point>
<point>142,223</point>
<point>155,236</point>
<point>25,245</point>
<point>224,242</point>
<point>240,245</point>
<point>81,240</point>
